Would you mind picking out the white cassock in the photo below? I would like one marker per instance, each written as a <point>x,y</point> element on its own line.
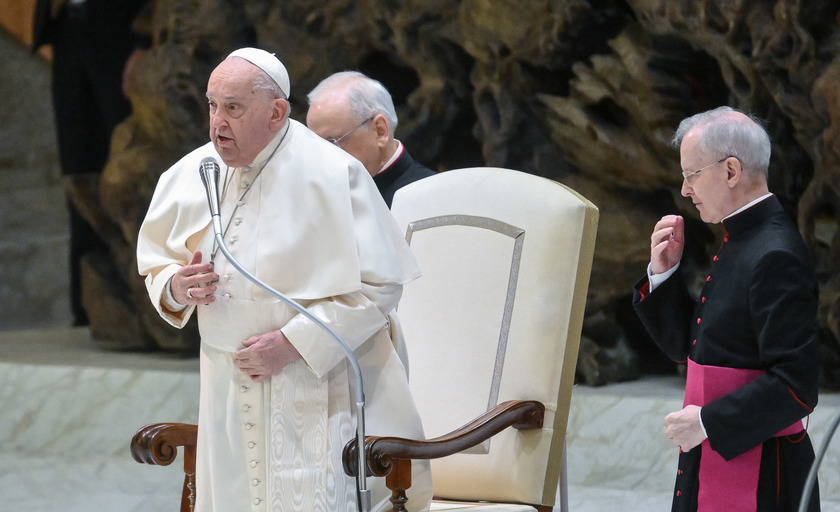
<point>312,225</point>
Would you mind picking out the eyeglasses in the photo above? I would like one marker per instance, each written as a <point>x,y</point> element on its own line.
<point>687,175</point>
<point>338,140</point>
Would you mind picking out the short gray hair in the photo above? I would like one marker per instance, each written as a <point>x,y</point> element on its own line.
<point>366,97</point>
<point>723,134</point>
<point>263,82</point>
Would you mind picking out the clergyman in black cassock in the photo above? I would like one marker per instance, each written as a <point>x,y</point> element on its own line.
<point>750,340</point>
<point>357,114</point>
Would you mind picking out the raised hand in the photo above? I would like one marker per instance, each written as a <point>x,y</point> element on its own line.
<point>194,283</point>
<point>666,243</point>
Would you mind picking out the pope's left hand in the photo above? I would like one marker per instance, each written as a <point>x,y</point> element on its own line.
<point>683,428</point>
<point>265,355</point>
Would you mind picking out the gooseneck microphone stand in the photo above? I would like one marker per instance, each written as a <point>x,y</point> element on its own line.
<point>209,171</point>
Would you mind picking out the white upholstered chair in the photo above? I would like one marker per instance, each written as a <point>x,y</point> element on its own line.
<point>493,325</point>
<point>492,332</point>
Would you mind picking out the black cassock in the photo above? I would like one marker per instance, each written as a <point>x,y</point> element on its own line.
<point>757,310</point>
<point>403,171</point>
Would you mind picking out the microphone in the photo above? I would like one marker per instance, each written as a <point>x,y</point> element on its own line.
<point>209,171</point>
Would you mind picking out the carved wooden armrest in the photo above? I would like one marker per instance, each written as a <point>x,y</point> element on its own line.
<point>158,444</point>
<point>391,456</point>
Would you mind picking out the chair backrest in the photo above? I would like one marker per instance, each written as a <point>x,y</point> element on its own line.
<point>497,315</point>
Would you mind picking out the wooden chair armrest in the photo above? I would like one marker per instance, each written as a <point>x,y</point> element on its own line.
<point>382,451</point>
<point>158,443</point>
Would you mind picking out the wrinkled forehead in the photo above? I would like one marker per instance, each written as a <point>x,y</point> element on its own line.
<point>691,148</point>
<point>327,122</point>
<point>232,75</point>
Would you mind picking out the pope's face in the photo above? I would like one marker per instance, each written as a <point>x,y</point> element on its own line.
<point>240,116</point>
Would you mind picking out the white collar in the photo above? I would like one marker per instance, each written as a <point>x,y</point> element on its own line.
<point>748,205</point>
<point>393,158</point>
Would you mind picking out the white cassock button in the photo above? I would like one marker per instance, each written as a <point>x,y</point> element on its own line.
<point>252,444</point>
<point>253,463</point>
<point>255,482</point>
<point>243,388</point>
<point>249,426</point>
<point>257,501</point>
<point>246,407</point>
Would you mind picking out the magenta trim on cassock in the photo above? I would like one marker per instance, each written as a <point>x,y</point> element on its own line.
<point>725,485</point>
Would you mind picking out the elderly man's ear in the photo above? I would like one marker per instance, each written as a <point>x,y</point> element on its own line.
<point>734,171</point>
<point>279,112</point>
<point>381,128</point>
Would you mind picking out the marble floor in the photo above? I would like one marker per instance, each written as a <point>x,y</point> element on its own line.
<point>69,411</point>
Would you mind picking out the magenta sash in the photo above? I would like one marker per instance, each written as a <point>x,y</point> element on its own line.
<point>725,485</point>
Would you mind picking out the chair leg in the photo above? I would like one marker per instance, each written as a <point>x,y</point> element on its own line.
<point>398,481</point>
<point>188,493</point>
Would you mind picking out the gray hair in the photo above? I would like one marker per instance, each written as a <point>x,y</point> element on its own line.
<point>263,82</point>
<point>723,134</point>
<point>366,97</point>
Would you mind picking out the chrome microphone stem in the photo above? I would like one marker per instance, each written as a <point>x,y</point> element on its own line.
<point>361,455</point>
<point>217,229</point>
<point>361,477</point>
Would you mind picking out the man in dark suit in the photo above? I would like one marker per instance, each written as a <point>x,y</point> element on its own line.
<point>357,114</point>
<point>750,341</point>
<point>92,41</point>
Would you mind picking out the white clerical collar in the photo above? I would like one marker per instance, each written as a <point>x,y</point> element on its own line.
<point>748,205</point>
<point>393,158</point>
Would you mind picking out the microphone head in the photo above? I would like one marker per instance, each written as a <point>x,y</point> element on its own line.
<point>209,166</point>
<point>209,160</point>
<point>209,172</point>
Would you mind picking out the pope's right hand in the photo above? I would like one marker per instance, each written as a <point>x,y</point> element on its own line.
<point>194,283</point>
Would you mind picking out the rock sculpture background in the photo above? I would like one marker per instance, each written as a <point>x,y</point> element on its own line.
<point>584,92</point>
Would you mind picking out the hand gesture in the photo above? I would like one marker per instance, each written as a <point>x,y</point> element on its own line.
<point>194,283</point>
<point>666,243</point>
<point>683,428</point>
<point>265,355</point>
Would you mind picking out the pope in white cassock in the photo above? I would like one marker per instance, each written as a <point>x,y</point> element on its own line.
<point>306,218</point>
